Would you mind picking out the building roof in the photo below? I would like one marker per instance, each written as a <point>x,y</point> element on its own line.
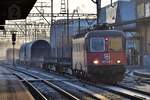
<point>15,9</point>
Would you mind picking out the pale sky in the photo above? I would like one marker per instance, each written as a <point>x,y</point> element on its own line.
<point>84,6</point>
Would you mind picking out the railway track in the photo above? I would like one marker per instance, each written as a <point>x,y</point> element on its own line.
<point>35,92</point>
<point>46,83</point>
<point>130,93</point>
<point>83,91</point>
<point>146,82</point>
<point>41,83</point>
<point>126,92</point>
<point>140,84</point>
<point>133,89</point>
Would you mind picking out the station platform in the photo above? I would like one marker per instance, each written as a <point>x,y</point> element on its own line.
<point>11,88</point>
<point>141,71</point>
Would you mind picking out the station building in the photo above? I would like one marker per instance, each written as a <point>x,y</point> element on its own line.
<point>133,17</point>
<point>143,28</point>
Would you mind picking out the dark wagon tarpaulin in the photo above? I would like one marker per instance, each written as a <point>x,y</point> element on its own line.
<point>35,51</point>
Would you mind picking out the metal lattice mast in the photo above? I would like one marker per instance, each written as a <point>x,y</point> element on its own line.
<point>63,7</point>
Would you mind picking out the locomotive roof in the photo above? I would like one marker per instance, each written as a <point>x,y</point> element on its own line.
<point>101,33</point>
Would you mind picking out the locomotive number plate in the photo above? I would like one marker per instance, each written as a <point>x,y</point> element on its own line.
<point>106,56</point>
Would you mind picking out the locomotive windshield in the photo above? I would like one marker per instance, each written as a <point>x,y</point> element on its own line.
<point>115,43</point>
<point>97,44</point>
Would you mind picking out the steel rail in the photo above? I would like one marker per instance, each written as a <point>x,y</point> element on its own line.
<point>135,94</point>
<point>135,90</point>
<point>90,93</point>
<point>67,94</point>
<point>125,92</point>
<point>35,92</point>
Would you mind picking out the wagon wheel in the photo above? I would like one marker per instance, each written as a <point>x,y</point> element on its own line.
<point>75,72</point>
<point>81,72</point>
<point>49,66</point>
<point>84,75</point>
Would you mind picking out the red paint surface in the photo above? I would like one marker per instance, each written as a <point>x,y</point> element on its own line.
<point>114,56</point>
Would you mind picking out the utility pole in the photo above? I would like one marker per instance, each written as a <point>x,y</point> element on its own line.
<point>98,4</point>
<point>51,26</point>
<point>35,31</point>
<point>112,3</point>
<point>52,13</point>
<point>13,43</point>
<point>68,22</point>
<point>25,30</point>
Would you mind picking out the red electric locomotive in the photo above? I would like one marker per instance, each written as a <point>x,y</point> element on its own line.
<point>99,55</point>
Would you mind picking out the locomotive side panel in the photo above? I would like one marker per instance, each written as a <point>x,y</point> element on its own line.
<point>79,55</point>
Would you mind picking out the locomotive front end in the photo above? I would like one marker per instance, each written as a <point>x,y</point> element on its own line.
<point>106,57</point>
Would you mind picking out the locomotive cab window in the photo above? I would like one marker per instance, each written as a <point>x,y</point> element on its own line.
<point>115,43</point>
<point>97,44</point>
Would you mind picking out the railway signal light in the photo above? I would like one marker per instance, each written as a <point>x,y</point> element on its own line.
<point>13,38</point>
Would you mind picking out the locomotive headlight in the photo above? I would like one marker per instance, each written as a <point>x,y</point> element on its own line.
<point>95,62</point>
<point>118,61</point>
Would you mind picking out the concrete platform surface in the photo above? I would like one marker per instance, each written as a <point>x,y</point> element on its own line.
<point>11,88</point>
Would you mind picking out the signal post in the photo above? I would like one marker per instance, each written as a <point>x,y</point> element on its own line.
<point>13,44</point>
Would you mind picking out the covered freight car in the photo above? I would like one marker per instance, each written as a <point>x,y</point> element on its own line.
<point>35,53</point>
<point>61,40</point>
